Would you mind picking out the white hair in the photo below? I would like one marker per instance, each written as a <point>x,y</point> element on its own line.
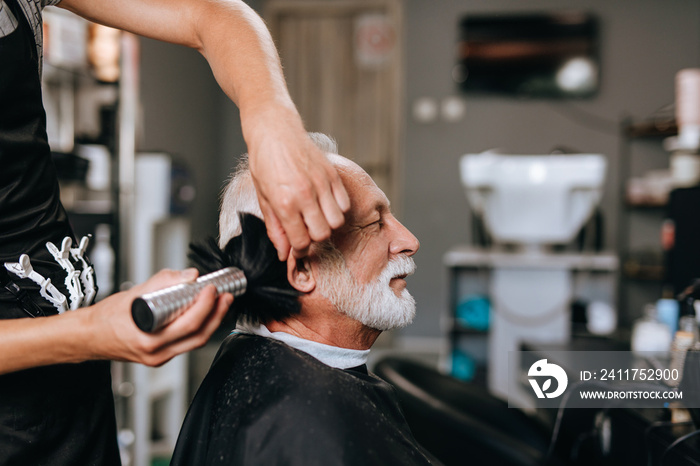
<point>240,195</point>
<point>373,304</point>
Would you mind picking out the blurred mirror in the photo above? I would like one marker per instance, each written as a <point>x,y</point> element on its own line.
<point>529,55</point>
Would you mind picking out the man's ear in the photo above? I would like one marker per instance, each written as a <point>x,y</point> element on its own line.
<point>300,274</point>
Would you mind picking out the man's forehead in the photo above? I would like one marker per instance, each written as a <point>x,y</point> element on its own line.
<point>365,195</point>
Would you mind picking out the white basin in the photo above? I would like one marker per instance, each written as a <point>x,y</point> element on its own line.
<point>533,199</point>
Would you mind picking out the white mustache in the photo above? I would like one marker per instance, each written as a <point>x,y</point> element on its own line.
<point>402,265</point>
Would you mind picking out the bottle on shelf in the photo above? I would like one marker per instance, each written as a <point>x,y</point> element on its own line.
<point>687,335</point>
<point>667,309</point>
<point>649,335</point>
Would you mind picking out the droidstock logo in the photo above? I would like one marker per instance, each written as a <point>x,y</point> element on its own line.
<point>542,369</point>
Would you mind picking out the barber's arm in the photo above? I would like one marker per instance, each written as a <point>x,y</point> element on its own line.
<point>107,331</point>
<point>300,193</point>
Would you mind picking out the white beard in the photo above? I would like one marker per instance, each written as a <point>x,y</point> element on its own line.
<point>374,304</point>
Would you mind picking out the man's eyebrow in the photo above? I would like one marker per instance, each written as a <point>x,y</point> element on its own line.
<point>380,207</point>
<point>369,214</point>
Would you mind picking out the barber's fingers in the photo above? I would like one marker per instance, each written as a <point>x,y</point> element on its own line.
<point>314,212</point>
<point>298,235</point>
<point>164,279</point>
<point>335,207</point>
<point>192,319</point>
<point>287,218</point>
<point>331,216</point>
<point>315,221</point>
<point>322,205</point>
<point>275,230</point>
<point>207,327</point>
<point>193,328</point>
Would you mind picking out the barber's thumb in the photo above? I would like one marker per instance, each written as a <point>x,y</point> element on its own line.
<point>189,274</point>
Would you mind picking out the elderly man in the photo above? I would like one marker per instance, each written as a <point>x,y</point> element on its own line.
<point>295,390</point>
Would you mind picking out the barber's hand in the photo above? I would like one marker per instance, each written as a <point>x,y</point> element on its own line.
<point>301,194</point>
<point>117,337</point>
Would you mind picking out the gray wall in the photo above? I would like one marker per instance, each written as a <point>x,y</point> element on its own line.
<point>186,114</point>
<point>182,116</point>
<point>644,43</point>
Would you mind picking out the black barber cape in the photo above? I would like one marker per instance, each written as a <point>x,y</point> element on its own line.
<point>265,403</point>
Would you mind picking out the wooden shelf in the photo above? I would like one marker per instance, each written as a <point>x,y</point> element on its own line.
<point>643,272</point>
<point>651,129</point>
<point>645,206</point>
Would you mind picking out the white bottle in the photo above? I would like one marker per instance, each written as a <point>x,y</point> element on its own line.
<point>103,261</point>
<point>685,339</point>
<point>649,335</point>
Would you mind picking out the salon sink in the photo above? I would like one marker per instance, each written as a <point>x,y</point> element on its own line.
<point>462,423</point>
<point>533,199</point>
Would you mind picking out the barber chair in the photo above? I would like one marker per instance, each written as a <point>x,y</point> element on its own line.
<point>461,423</point>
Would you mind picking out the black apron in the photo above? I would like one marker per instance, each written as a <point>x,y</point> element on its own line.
<point>60,414</point>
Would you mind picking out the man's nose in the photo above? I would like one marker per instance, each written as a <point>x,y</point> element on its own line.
<point>404,242</point>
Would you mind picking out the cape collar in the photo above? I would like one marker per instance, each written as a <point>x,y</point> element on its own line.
<point>334,356</point>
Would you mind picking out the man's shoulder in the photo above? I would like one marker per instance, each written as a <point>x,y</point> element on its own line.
<point>263,356</point>
<point>253,374</point>
<point>254,379</point>
<point>253,358</point>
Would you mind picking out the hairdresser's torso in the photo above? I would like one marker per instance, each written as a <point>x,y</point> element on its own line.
<point>63,414</point>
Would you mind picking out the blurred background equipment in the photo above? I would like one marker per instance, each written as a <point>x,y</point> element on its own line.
<point>103,52</point>
<point>683,249</point>
<point>161,237</point>
<point>529,55</point>
<point>531,207</point>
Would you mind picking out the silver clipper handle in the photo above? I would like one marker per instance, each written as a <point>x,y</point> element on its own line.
<point>155,310</point>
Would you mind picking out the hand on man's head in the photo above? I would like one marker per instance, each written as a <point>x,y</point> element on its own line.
<point>301,195</point>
